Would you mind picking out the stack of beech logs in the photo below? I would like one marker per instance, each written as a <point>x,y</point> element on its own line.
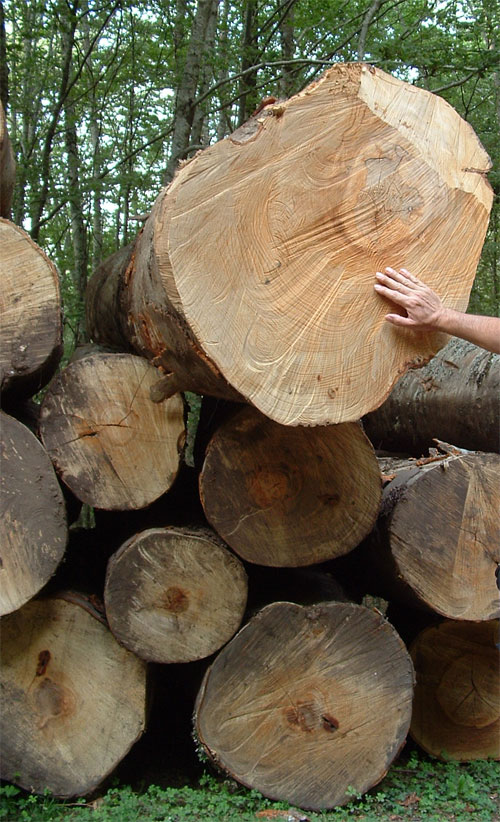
<point>251,285</point>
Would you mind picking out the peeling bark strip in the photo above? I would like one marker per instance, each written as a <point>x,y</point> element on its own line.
<point>308,704</point>
<point>33,530</point>
<point>455,397</point>
<point>457,697</point>
<point>111,444</point>
<point>174,594</point>
<point>31,325</point>
<point>253,276</point>
<point>73,700</point>
<point>289,496</point>
<point>438,537</point>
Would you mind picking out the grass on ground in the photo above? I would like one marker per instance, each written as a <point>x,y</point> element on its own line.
<point>419,788</point>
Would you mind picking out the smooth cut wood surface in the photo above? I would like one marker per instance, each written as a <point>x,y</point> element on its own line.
<point>289,496</point>
<point>31,325</point>
<point>174,594</point>
<point>73,700</point>
<point>456,712</point>
<point>33,529</point>
<point>268,241</point>
<point>113,446</point>
<point>307,704</point>
<point>444,535</point>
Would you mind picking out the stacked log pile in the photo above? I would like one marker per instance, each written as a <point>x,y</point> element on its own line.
<point>252,282</point>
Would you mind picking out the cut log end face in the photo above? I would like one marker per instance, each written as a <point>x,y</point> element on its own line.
<point>282,496</point>
<point>31,327</point>
<point>33,529</point>
<point>360,171</point>
<point>457,699</point>
<point>307,703</point>
<point>174,595</point>
<point>444,536</point>
<point>56,735</point>
<point>112,445</point>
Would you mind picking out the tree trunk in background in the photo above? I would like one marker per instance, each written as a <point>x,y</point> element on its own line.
<point>247,101</point>
<point>109,442</point>
<point>456,713</point>
<point>186,93</point>
<point>33,530</point>
<point>73,700</point>
<point>78,229</point>
<point>455,397</point>
<point>174,594</point>
<point>287,36</point>
<point>31,327</point>
<point>7,167</point>
<point>437,539</point>
<point>259,257</point>
<point>289,496</point>
<point>307,705</point>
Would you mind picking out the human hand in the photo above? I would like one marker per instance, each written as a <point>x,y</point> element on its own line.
<point>424,309</point>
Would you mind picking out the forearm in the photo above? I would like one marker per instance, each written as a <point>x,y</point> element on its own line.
<point>482,331</point>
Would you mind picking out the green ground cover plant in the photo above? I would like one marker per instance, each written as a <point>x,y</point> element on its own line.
<point>416,788</point>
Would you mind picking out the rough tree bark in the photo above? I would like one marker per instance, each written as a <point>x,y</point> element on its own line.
<point>174,594</point>
<point>31,326</point>
<point>436,544</point>
<point>261,254</point>
<point>73,700</point>
<point>455,397</point>
<point>33,529</point>
<point>456,712</point>
<point>7,167</point>
<point>306,704</point>
<point>109,442</point>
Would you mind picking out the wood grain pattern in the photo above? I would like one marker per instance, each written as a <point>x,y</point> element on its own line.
<point>73,700</point>
<point>112,445</point>
<point>457,697</point>
<point>305,703</point>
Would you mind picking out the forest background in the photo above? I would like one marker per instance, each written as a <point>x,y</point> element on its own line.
<point>104,97</point>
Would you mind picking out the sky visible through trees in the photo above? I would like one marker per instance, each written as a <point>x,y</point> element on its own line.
<point>103,98</point>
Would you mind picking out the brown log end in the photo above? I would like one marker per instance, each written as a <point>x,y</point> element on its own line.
<point>33,529</point>
<point>287,496</point>
<point>174,594</point>
<point>31,326</point>
<point>308,704</point>
<point>73,700</point>
<point>443,534</point>
<point>456,711</point>
<point>111,444</point>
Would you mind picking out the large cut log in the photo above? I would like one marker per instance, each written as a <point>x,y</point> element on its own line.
<point>73,700</point>
<point>308,704</point>
<point>455,397</point>
<point>287,496</point>
<point>113,446</point>
<point>7,167</point>
<point>253,276</point>
<point>31,327</point>
<point>456,713</point>
<point>33,530</point>
<point>174,594</point>
<point>436,544</point>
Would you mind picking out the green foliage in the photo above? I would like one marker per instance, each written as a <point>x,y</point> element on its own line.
<point>418,790</point>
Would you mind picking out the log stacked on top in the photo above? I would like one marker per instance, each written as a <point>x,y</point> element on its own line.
<point>273,304</point>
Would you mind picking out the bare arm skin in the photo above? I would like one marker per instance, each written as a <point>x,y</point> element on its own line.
<point>425,311</point>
